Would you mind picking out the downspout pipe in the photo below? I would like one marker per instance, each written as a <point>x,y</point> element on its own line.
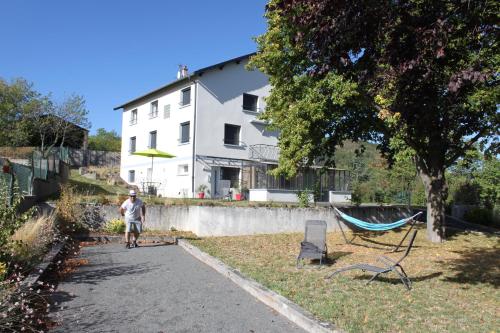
<point>194,137</point>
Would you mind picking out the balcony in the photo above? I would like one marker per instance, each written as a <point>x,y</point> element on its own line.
<point>264,153</point>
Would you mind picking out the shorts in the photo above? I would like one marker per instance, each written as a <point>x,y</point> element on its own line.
<point>133,226</point>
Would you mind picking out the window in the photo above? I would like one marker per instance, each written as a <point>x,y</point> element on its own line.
<point>185,96</point>
<point>231,134</point>
<point>250,102</point>
<point>231,174</point>
<point>133,117</point>
<point>184,135</point>
<point>153,113</point>
<point>131,147</point>
<point>182,170</point>
<point>152,139</point>
<point>131,176</point>
<point>166,111</point>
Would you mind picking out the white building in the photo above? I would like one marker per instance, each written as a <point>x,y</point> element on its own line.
<point>208,120</point>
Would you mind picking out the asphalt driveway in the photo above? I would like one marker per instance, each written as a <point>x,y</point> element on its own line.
<point>156,289</point>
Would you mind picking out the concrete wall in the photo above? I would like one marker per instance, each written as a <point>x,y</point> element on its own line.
<point>233,221</point>
<point>276,195</point>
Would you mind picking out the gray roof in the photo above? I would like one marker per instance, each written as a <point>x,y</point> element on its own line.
<point>198,72</point>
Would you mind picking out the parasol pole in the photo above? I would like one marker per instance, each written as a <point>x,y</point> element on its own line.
<point>151,180</point>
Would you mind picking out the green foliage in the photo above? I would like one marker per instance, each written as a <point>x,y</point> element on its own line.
<point>10,219</point>
<point>105,141</point>
<point>303,198</point>
<point>482,216</point>
<point>116,226</point>
<point>418,74</point>
<point>30,118</point>
<point>17,98</point>
<point>475,180</point>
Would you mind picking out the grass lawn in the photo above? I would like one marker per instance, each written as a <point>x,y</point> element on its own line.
<point>455,284</point>
<point>94,187</point>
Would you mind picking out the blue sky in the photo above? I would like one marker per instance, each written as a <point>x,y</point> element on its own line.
<point>112,51</point>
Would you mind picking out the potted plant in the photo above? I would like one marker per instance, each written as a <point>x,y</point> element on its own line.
<point>202,188</point>
<point>237,193</point>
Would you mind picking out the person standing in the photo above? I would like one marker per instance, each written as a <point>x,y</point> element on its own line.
<point>134,211</point>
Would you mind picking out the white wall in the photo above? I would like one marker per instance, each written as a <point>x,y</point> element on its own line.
<point>165,171</point>
<point>220,101</point>
<point>219,94</point>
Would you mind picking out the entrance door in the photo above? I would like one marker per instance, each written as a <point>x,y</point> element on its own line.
<point>215,176</point>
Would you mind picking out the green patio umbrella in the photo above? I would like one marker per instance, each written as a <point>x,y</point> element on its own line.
<point>153,152</point>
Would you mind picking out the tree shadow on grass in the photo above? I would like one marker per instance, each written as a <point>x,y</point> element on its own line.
<point>391,280</point>
<point>92,189</point>
<point>475,266</point>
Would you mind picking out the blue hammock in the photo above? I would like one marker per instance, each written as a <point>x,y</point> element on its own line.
<point>375,226</point>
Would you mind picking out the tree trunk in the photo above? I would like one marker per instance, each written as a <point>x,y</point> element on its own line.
<point>436,192</point>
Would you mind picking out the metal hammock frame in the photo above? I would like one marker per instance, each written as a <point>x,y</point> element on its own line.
<point>381,226</point>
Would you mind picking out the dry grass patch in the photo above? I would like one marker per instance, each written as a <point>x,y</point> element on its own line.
<point>455,284</point>
<point>32,239</point>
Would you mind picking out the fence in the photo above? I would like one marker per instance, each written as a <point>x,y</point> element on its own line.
<point>80,157</point>
<point>38,167</point>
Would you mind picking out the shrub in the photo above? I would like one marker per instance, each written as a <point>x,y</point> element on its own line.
<point>32,239</point>
<point>481,216</point>
<point>10,219</point>
<point>116,226</point>
<point>69,212</point>
<point>303,198</point>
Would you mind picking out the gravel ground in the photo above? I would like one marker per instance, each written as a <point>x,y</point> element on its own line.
<point>156,289</point>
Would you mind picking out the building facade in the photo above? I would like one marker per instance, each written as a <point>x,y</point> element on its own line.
<point>207,119</point>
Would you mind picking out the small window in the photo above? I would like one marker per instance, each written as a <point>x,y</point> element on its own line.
<point>184,133</point>
<point>231,174</point>
<point>185,96</point>
<point>131,148</point>
<point>183,169</point>
<point>250,102</point>
<point>154,110</point>
<point>152,139</point>
<point>133,117</point>
<point>131,176</point>
<point>231,134</point>
<point>166,111</point>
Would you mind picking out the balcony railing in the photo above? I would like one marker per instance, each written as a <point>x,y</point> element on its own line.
<point>263,152</point>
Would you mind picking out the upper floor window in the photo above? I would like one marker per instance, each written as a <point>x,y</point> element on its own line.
<point>166,111</point>
<point>152,139</point>
<point>184,133</point>
<point>131,146</point>
<point>153,113</point>
<point>185,96</point>
<point>231,134</point>
<point>133,117</point>
<point>250,102</point>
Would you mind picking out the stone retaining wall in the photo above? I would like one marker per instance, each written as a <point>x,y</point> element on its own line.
<point>233,221</point>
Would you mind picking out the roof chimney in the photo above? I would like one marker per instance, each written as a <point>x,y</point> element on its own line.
<point>182,72</point>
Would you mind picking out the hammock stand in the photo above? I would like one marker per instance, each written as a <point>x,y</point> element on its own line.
<point>376,226</point>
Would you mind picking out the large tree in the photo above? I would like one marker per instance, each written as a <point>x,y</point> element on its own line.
<point>17,98</point>
<point>418,74</point>
<point>105,141</point>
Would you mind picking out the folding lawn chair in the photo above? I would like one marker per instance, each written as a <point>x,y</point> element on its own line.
<point>314,244</point>
<point>389,266</point>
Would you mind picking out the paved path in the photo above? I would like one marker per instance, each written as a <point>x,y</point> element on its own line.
<point>157,289</point>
